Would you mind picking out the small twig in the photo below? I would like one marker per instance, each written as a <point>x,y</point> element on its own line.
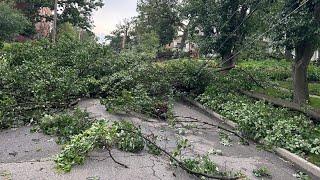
<point>74,103</point>
<point>225,68</point>
<point>252,78</point>
<point>195,120</point>
<point>121,164</point>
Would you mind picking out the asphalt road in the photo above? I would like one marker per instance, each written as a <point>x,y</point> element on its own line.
<point>25,155</point>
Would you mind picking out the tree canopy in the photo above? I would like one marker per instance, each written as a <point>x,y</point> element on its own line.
<point>76,12</point>
<point>12,21</point>
<point>159,16</point>
<point>300,32</point>
<point>222,26</point>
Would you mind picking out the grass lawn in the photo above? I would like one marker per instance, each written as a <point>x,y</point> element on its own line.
<point>274,92</point>
<point>314,88</point>
<point>315,159</point>
<point>282,94</point>
<point>315,102</point>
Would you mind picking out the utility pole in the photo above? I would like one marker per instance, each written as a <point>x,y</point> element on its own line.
<point>54,31</point>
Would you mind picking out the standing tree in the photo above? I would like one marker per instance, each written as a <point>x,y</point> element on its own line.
<point>122,35</point>
<point>185,21</point>
<point>159,16</point>
<point>12,22</point>
<point>125,36</point>
<point>125,29</point>
<point>301,32</point>
<point>222,26</point>
<point>76,12</point>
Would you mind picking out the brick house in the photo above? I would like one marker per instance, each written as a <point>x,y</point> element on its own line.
<point>43,27</point>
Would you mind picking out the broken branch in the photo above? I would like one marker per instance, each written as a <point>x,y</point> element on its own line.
<point>195,120</point>
<point>121,164</point>
<point>181,164</point>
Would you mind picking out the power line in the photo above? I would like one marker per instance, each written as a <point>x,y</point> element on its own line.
<point>238,27</point>
<point>263,34</point>
<point>274,26</point>
<point>234,13</point>
<point>256,34</point>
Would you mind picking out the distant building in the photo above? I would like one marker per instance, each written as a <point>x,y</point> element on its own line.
<point>43,27</point>
<point>189,47</point>
<point>316,56</point>
<point>270,50</point>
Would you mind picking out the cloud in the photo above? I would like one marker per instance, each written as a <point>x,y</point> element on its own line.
<point>106,18</point>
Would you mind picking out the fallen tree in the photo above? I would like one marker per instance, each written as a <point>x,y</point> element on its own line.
<point>283,103</point>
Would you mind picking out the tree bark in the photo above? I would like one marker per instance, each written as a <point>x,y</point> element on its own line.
<point>125,36</point>
<point>228,60</point>
<point>123,42</point>
<point>184,37</point>
<point>288,55</point>
<point>318,58</point>
<point>304,52</point>
<point>54,30</point>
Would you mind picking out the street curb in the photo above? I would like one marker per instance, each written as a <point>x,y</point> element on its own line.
<point>210,112</point>
<point>295,159</point>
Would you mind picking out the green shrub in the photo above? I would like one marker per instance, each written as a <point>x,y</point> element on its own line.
<point>152,149</point>
<point>123,135</point>
<point>65,125</point>
<point>268,69</point>
<point>314,88</point>
<point>261,121</point>
<point>202,164</point>
<point>277,70</point>
<point>261,172</point>
<point>80,145</point>
<point>128,138</point>
<point>38,76</point>
<point>313,73</point>
<point>149,88</point>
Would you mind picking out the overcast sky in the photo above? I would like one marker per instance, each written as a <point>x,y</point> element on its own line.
<point>113,11</point>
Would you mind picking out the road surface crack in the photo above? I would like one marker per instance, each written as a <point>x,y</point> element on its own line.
<point>152,168</point>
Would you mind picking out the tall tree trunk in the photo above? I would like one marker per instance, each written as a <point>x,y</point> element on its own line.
<point>288,55</point>
<point>124,38</point>
<point>54,30</point>
<point>318,58</point>
<point>304,52</point>
<point>124,41</point>
<point>228,59</point>
<point>184,37</point>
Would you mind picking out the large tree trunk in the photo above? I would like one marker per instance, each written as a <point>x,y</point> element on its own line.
<point>124,40</point>
<point>288,55</point>
<point>228,60</point>
<point>184,37</point>
<point>304,52</point>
